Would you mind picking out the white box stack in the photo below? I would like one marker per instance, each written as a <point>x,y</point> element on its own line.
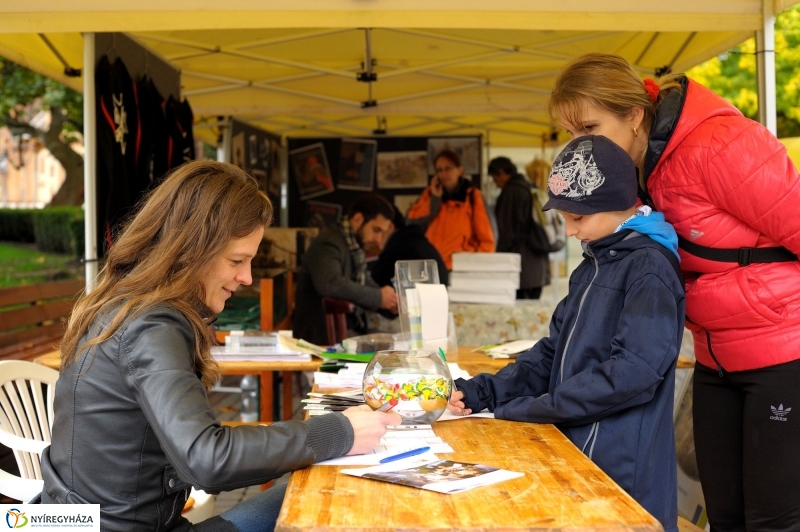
<point>485,278</point>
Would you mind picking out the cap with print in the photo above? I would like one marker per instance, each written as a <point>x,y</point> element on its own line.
<point>590,175</point>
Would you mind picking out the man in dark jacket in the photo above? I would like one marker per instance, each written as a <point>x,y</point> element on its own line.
<point>515,228</point>
<point>606,374</point>
<point>407,242</point>
<point>335,266</point>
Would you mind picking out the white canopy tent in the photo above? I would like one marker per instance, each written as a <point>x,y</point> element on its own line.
<point>349,67</point>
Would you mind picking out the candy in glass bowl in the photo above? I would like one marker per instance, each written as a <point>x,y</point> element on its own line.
<point>415,384</point>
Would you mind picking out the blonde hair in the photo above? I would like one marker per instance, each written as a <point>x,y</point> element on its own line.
<point>608,82</point>
<point>163,251</point>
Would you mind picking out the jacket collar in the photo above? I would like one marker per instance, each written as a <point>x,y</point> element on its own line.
<point>664,125</point>
<point>459,194</point>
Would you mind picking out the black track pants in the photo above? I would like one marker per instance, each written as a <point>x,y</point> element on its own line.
<point>747,439</point>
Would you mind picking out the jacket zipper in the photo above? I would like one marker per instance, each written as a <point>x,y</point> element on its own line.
<point>580,308</point>
<point>720,369</point>
<point>593,438</point>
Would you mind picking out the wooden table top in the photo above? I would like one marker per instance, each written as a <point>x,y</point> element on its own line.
<point>473,363</point>
<point>561,490</point>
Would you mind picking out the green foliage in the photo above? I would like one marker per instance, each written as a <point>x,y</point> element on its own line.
<point>59,230</point>
<point>16,225</point>
<point>21,264</point>
<point>733,74</point>
<point>23,93</point>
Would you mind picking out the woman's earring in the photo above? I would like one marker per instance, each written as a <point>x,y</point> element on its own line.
<point>635,132</point>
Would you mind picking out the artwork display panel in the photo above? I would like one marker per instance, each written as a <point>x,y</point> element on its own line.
<point>402,169</point>
<point>357,164</point>
<point>321,214</point>
<point>311,171</point>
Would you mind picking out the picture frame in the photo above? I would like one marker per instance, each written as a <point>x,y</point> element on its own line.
<point>357,159</point>
<point>311,172</point>
<point>402,169</point>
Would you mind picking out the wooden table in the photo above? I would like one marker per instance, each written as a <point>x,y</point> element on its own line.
<point>473,363</point>
<point>561,490</point>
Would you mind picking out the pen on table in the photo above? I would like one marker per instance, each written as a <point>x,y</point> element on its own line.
<point>388,405</point>
<point>404,455</point>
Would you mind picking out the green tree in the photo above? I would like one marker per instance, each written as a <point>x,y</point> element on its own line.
<point>23,93</point>
<point>733,74</point>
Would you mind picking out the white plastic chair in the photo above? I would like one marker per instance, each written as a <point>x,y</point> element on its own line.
<point>26,416</point>
<point>27,391</point>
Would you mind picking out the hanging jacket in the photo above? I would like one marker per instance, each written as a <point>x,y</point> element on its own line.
<point>724,181</point>
<point>515,232</point>
<point>606,374</point>
<point>455,222</point>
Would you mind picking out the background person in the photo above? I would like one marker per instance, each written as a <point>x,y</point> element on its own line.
<point>725,183</point>
<point>516,228</point>
<point>606,373</point>
<point>133,430</point>
<point>335,266</point>
<point>452,211</point>
<point>406,242</point>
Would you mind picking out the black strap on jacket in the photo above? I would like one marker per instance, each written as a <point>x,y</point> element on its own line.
<point>743,256</point>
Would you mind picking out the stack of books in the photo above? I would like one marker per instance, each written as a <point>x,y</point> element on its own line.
<point>256,346</point>
<point>485,278</point>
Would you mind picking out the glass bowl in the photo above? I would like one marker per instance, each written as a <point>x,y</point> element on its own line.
<point>415,384</point>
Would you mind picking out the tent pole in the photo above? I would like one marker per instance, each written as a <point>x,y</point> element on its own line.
<point>765,61</point>
<point>89,162</point>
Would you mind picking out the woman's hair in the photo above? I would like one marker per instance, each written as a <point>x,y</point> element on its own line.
<point>606,81</point>
<point>450,155</point>
<point>163,252</point>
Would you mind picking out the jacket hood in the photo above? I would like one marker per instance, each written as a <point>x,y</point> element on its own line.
<point>654,226</point>
<point>671,124</point>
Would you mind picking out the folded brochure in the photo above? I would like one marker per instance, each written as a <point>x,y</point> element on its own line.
<point>443,476</point>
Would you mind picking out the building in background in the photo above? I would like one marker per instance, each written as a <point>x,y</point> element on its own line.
<point>29,174</point>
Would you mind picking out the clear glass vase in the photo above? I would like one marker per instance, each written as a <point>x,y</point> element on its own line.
<point>415,384</point>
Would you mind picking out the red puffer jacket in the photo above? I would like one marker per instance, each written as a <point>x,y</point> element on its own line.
<point>725,181</point>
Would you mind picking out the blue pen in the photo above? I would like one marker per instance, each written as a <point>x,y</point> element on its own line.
<point>404,455</point>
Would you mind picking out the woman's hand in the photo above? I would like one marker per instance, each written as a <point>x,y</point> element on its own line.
<point>436,186</point>
<point>456,405</point>
<point>368,427</point>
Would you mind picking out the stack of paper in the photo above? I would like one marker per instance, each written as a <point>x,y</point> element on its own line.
<point>485,278</point>
<point>272,353</point>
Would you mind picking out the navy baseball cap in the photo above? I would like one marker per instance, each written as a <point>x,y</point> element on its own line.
<point>590,175</point>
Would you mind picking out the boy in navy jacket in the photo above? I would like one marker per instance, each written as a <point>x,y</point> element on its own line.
<point>606,374</point>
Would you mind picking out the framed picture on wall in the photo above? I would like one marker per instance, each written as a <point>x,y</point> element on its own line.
<point>311,172</point>
<point>468,150</point>
<point>320,214</point>
<point>357,164</point>
<point>402,169</point>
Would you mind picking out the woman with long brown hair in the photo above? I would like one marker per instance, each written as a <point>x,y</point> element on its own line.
<point>728,187</point>
<point>133,429</point>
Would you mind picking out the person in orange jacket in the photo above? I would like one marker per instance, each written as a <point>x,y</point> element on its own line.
<point>452,211</point>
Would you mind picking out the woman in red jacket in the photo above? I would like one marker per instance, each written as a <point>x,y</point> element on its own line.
<point>731,192</point>
<point>452,211</point>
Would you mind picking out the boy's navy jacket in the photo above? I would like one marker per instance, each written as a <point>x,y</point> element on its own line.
<point>606,374</point>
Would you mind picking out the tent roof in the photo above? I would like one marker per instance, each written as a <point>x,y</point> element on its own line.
<point>442,67</point>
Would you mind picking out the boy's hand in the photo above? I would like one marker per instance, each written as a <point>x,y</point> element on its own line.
<point>456,404</point>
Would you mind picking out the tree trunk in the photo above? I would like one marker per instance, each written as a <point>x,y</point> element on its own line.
<point>71,191</point>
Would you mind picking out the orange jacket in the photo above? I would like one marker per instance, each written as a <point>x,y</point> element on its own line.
<point>456,226</point>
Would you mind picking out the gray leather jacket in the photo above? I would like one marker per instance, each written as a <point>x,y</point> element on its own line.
<point>133,431</point>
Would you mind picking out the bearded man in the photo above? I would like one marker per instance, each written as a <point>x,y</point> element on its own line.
<point>335,266</point>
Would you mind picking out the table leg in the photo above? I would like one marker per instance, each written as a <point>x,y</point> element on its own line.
<point>267,388</point>
<point>286,378</point>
